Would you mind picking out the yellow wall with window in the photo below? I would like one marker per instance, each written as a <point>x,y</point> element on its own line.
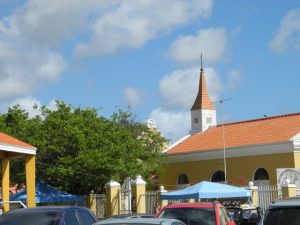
<point>240,170</point>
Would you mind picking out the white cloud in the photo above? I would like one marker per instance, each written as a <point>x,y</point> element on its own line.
<point>133,96</point>
<point>210,42</point>
<point>288,34</point>
<point>131,23</point>
<point>50,22</point>
<point>178,89</point>
<point>24,64</point>
<point>23,69</point>
<point>28,103</point>
<point>31,36</point>
<point>172,124</point>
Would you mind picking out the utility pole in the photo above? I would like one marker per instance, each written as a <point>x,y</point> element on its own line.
<point>221,101</point>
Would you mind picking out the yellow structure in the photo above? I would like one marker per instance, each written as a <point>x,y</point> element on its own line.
<point>289,190</point>
<point>139,194</point>
<point>11,147</point>
<point>112,192</point>
<point>235,153</point>
<point>93,203</point>
<point>163,203</point>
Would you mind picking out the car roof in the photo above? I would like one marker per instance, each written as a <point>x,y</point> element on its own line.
<point>137,221</point>
<point>46,208</point>
<point>131,215</point>
<point>192,205</point>
<point>292,202</point>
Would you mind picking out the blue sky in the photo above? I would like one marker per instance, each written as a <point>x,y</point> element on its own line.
<point>109,54</point>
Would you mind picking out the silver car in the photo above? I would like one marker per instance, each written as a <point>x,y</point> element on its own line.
<point>140,221</point>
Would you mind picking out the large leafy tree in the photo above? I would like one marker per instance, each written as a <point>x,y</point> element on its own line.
<point>80,151</point>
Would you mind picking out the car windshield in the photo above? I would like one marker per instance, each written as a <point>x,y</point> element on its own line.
<point>282,216</point>
<point>29,218</point>
<point>190,216</point>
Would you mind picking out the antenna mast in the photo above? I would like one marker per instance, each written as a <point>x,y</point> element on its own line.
<point>201,62</point>
<point>221,101</point>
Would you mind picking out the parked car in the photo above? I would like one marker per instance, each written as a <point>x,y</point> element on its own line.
<point>140,221</point>
<point>131,215</point>
<point>286,211</point>
<point>243,214</point>
<point>49,215</point>
<point>213,213</point>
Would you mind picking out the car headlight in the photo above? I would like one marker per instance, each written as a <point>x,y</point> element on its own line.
<point>246,214</point>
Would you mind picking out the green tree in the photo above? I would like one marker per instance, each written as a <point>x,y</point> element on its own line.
<point>79,150</point>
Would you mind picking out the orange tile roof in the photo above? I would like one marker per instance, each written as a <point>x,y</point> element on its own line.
<point>202,100</point>
<point>9,140</point>
<point>241,134</point>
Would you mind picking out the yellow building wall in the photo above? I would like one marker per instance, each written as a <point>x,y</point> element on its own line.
<point>297,159</point>
<point>240,170</point>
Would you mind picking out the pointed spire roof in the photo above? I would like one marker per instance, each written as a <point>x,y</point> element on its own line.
<point>202,100</point>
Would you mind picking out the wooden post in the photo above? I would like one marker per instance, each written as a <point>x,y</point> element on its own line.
<point>5,183</point>
<point>30,180</point>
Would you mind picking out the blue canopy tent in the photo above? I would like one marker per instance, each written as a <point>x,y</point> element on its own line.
<point>207,189</point>
<point>46,194</point>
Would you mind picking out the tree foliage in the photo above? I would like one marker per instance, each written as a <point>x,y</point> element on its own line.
<point>79,150</point>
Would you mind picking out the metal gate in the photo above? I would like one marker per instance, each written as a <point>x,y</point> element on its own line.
<point>151,198</point>
<point>125,197</point>
<point>100,206</point>
<point>266,194</point>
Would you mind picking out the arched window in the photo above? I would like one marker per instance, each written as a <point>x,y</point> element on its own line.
<point>261,174</point>
<point>182,179</point>
<point>218,176</point>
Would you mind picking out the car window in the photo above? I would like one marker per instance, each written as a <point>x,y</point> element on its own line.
<point>29,218</point>
<point>223,216</point>
<point>85,218</point>
<point>190,216</point>
<point>226,214</point>
<point>70,218</point>
<point>280,216</point>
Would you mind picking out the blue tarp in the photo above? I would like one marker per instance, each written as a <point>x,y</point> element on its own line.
<point>207,189</point>
<point>45,193</point>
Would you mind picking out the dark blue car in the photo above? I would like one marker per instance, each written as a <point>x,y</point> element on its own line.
<point>49,215</point>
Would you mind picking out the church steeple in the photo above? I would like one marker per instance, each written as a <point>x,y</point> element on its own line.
<point>202,100</point>
<point>203,112</point>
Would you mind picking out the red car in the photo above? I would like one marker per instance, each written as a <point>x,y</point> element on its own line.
<point>197,213</point>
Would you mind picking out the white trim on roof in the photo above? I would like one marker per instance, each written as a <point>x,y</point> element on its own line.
<point>296,140</point>
<point>176,143</point>
<point>254,150</point>
<point>17,149</point>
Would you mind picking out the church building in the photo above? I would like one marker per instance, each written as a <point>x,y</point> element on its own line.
<point>255,150</point>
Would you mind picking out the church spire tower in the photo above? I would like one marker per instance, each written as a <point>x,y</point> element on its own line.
<point>203,112</point>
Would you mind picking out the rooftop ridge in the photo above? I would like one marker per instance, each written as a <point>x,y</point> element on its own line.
<point>260,119</point>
